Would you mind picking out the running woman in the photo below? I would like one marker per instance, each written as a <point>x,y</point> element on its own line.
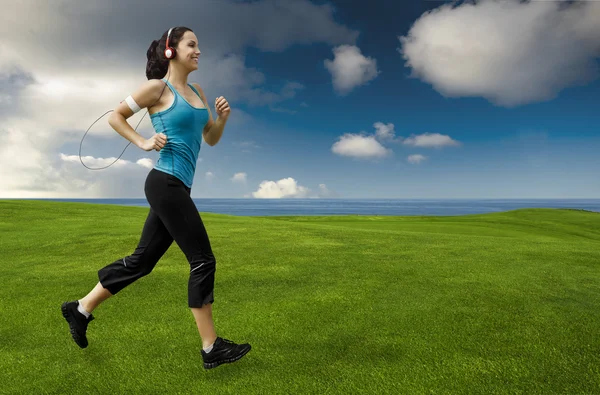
<point>181,119</point>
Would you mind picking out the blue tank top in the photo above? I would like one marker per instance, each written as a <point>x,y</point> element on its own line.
<point>182,124</point>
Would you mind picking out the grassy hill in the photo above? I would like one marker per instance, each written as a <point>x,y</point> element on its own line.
<point>491,303</point>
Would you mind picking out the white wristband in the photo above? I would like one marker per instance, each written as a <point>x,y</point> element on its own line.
<point>132,104</point>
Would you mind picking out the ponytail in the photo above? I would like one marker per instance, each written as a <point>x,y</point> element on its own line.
<point>157,66</point>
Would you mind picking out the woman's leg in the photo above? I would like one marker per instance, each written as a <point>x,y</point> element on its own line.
<point>205,324</point>
<point>154,242</point>
<point>96,296</point>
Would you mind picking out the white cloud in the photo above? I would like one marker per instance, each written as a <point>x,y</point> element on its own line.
<point>77,30</point>
<point>209,176</point>
<point>54,96</point>
<point>92,162</point>
<point>350,68</point>
<point>239,177</point>
<point>145,162</point>
<point>284,188</point>
<point>73,41</point>
<point>325,192</point>
<point>95,163</point>
<point>64,70</point>
<point>31,156</point>
<point>359,146</point>
<point>430,140</point>
<point>289,188</point>
<point>416,158</point>
<point>63,176</point>
<point>511,53</point>
<point>384,131</point>
<point>366,146</point>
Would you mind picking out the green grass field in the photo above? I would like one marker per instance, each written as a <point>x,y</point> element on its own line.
<point>501,303</point>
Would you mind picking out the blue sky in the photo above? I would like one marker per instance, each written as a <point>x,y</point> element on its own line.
<point>503,108</point>
<point>540,149</point>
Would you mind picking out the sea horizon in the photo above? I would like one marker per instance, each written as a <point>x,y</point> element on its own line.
<point>354,206</point>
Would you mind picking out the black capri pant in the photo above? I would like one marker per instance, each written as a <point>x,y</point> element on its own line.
<point>173,216</point>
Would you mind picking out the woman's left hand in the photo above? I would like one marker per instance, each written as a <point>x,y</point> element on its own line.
<point>222,107</point>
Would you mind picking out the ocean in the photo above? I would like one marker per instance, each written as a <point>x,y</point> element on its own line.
<point>439,207</point>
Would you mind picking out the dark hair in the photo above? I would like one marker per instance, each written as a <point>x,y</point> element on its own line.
<point>158,65</point>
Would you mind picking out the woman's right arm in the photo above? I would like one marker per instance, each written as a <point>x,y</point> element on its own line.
<point>145,96</point>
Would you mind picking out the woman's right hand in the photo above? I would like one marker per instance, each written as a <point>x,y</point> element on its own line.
<point>156,142</point>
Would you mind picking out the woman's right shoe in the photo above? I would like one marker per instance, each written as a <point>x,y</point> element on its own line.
<point>224,351</point>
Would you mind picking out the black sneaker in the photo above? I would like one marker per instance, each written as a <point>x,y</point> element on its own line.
<point>224,351</point>
<point>77,322</point>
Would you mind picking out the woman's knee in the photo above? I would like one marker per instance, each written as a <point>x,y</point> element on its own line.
<point>143,264</point>
<point>203,266</point>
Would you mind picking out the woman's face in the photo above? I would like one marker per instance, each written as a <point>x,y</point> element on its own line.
<point>188,51</point>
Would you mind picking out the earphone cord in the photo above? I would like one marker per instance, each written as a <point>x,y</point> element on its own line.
<point>80,144</point>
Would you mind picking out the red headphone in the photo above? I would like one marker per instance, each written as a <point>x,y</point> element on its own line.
<point>169,52</point>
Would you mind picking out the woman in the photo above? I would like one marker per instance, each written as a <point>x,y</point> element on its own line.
<point>181,119</point>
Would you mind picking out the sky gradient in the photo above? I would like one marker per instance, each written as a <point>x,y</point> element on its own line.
<point>433,100</point>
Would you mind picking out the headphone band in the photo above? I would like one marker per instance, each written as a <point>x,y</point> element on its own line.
<point>169,52</point>
<point>169,35</point>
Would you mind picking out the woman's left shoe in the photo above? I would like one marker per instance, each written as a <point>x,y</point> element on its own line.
<point>224,351</point>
